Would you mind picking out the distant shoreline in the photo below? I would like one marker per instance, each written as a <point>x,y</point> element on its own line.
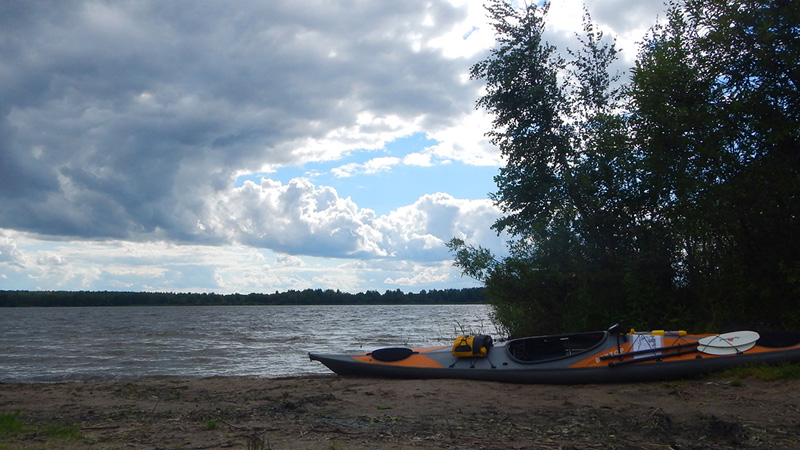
<point>313,297</point>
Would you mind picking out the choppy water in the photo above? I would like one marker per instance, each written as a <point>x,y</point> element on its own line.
<point>55,344</point>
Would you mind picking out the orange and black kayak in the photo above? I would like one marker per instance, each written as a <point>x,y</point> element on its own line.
<point>589,357</point>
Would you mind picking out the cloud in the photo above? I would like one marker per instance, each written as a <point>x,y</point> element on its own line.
<point>420,159</point>
<point>118,119</point>
<point>9,253</point>
<point>284,260</point>
<point>467,142</point>
<point>124,127</point>
<point>165,267</point>
<point>625,21</point>
<point>422,275</point>
<point>301,218</point>
<point>295,218</point>
<point>420,231</point>
<point>370,167</point>
<point>50,259</point>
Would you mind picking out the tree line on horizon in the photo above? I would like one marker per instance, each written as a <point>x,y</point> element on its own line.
<point>668,200</point>
<point>291,297</point>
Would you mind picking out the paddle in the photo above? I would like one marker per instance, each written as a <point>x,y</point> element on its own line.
<point>649,350</point>
<point>653,357</point>
<point>728,343</point>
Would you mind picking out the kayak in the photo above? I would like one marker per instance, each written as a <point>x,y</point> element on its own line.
<point>609,356</point>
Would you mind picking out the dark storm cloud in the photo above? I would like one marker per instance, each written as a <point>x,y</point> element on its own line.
<point>120,119</point>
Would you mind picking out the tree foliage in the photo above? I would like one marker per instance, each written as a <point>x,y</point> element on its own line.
<point>672,198</point>
<point>715,111</point>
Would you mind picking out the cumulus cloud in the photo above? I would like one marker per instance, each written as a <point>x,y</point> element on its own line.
<point>118,119</point>
<point>50,259</point>
<point>9,253</point>
<point>424,275</point>
<point>421,159</point>
<point>467,142</point>
<point>373,166</point>
<point>420,230</point>
<point>284,260</point>
<point>123,127</point>
<point>296,218</point>
<point>301,218</point>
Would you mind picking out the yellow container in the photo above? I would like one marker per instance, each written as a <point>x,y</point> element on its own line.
<point>476,346</point>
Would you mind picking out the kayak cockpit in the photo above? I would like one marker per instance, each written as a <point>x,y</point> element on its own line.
<point>547,348</point>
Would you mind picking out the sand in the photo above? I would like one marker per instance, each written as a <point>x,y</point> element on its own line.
<point>332,412</point>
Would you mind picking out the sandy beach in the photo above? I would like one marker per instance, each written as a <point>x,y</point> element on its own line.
<point>332,412</point>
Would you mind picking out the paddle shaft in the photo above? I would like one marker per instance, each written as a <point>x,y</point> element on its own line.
<point>653,357</point>
<point>649,350</point>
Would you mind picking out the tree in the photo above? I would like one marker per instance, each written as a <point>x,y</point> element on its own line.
<point>716,116</point>
<point>557,126</point>
<point>673,198</point>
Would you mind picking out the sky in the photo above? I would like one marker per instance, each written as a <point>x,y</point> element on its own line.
<point>253,146</point>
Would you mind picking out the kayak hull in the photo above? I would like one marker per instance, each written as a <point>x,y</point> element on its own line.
<point>607,358</point>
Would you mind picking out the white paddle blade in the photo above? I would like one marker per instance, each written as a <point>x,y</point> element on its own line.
<point>728,343</point>
<point>726,350</point>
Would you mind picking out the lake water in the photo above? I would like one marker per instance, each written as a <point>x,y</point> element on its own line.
<point>114,343</point>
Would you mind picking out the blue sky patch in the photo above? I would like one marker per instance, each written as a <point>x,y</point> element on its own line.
<point>394,185</point>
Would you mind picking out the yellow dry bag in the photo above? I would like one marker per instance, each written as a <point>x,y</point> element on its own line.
<point>476,346</point>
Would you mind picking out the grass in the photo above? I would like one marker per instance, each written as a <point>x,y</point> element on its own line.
<point>9,423</point>
<point>784,371</point>
<point>211,424</point>
<point>63,431</point>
